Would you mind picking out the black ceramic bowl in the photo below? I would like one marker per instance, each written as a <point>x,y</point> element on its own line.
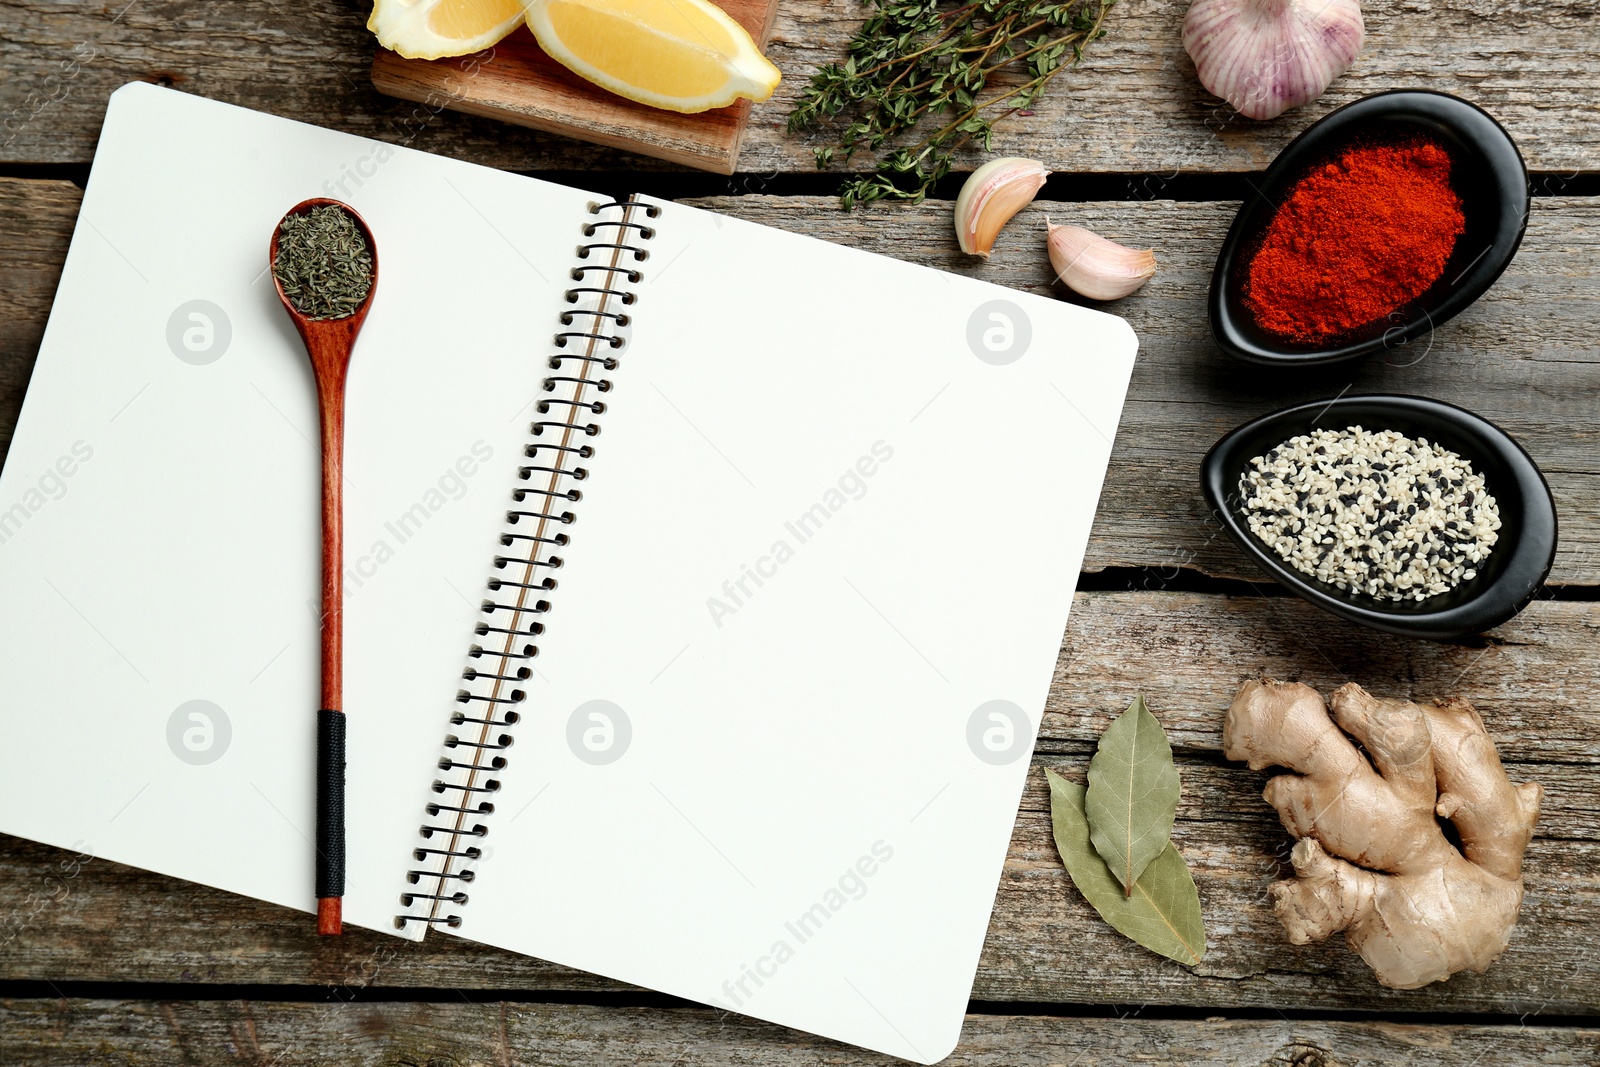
<point>1508,578</point>
<point>1488,175</point>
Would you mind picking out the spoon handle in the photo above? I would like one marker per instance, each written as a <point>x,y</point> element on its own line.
<point>329,343</point>
<point>330,717</point>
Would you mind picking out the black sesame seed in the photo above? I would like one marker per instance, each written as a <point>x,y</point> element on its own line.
<point>1345,524</point>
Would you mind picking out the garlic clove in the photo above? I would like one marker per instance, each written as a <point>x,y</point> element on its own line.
<point>1267,56</point>
<point>995,192</point>
<point>1097,268</point>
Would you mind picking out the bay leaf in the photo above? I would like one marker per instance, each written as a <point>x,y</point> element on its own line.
<point>1133,793</point>
<point>1163,912</point>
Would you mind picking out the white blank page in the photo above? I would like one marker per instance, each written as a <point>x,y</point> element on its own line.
<point>178,561</point>
<point>819,535</point>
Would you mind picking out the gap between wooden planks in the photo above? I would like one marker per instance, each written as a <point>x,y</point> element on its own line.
<point>59,1033</point>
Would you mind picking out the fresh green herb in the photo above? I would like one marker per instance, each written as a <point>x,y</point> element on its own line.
<point>1114,838</point>
<point>323,263</point>
<point>1133,793</point>
<point>915,58</point>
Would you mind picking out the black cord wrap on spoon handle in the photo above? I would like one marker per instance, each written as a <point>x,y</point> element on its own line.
<point>330,803</point>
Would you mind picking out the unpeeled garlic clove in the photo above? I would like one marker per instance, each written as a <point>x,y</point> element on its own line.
<point>1266,56</point>
<point>1097,268</point>
<point>995,192</point>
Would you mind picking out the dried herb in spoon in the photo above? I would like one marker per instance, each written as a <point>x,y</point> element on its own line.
<point>323,263</point>
<point>913,59</point>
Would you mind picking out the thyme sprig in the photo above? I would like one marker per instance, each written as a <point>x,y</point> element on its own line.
<point>913,59</point>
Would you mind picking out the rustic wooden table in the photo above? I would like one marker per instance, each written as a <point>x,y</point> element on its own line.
<point>104,964</point>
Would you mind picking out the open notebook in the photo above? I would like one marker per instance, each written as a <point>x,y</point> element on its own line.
<point>818,517</point>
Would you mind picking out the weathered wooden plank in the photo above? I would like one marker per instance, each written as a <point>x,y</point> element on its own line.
<point>1524,356</point>
<point>67,920</point>
<point>1136,106</point>
<point>35,225</point>
<point>57,1033</point>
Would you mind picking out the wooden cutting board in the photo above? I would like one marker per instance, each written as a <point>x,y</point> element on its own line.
<point>516,82</point>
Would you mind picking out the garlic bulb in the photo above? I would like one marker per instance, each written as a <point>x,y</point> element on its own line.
<point>1095,267</point>
<point>1266,56</point>
<point>995,192</point>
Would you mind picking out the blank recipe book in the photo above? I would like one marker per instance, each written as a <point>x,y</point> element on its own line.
<point>704,582</point>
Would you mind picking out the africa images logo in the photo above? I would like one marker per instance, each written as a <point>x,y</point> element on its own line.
<point>199,732</point>
<point>998,732</point>
<point>198,332</point>
<point>850,485</point>
<point>999,332</point>
<point>599,732</point>
<point>51,485</point>
<point>851,885</point>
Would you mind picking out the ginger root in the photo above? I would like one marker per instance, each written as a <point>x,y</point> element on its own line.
<point>1371,857</point>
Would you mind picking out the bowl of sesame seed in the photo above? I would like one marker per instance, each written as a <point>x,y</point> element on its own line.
<point>1402,513</point>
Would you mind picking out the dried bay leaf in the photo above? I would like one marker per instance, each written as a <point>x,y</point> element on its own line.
<point>1133,794</point>
<point>1163,912</point>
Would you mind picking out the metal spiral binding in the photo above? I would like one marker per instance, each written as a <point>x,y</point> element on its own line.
<point>566,414</point>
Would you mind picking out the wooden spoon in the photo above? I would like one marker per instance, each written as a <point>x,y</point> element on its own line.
<point>328,342</point>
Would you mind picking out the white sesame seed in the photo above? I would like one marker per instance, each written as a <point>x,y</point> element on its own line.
<point>1375,512</point>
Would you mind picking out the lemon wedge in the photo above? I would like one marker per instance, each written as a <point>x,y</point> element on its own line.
<point>433,29</point>
<point>680,55</point>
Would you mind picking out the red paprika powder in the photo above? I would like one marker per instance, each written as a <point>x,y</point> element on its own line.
<point>1355,239</point>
